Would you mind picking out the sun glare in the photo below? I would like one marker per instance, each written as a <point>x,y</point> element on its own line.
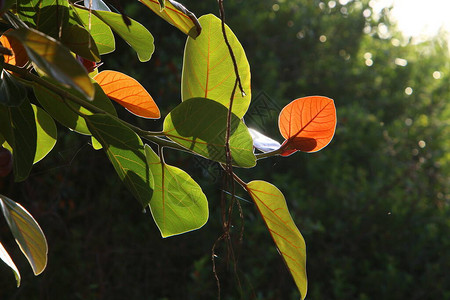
<point>417,18</point>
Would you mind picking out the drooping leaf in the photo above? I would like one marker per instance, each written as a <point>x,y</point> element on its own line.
<point>100,32</point>
<point>18,127</point>
<point>54,59</point>
<point>7,260</point>
<point>262,142</point>
<point>288,239</point>
<point>19,57</point>
<point>200,124</point>
<point>79,41</point>
<point>308,124</point>
<point>47,16</point>
<point>27,232</point>
<point>46,133</point>
<point>136,35</point>
<point>208,70</point>
<point>178,204</point>
<point>177,15</point>
<point>59,110</point>
<point>12,92</point>
<point>96,5</point>
<point>125,150</point>
<point>129,93</point>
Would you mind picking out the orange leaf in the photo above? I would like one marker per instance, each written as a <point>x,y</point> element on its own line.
<point>129,93</point>
<point>19,57</point>
<point>308,124</point>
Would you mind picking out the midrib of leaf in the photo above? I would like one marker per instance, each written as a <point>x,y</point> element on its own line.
<point>309,122</point>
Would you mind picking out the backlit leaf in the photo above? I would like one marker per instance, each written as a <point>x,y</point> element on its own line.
<point>208,70</point>
<point>200,124</point>
<point>79,41</point>
<point>288,239</point>
<point>136,35</point>
<point>125,150</point>
<point>176,14</point>
<point>178,204</point>
<point>18,127</point>
<point>46,133</point>
<point>59,110</point>
<point>47,16</point>
<point>129,93</point>
<point>100,32</point>
<point>27,232</point>
<point>7,260</point>
<point>54,59</point>
<point>19,57</point>
<point>308,124</point>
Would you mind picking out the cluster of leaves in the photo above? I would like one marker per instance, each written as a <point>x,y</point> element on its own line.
<point>49,71</point>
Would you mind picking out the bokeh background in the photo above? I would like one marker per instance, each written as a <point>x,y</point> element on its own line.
<point>373,206</point>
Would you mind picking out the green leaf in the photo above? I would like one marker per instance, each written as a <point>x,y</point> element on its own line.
<point>54,59</point>
<point>47,16</point>
<point>18,127</point>
<point>288,239</point>
<point>7,260</point>
<point>208,70</point>
<point>176,14</point>
<point>100,32</point>
<point>200,124</point>
<point>46,133</point>
<point>96,5</point>
<point>59,110</point>
<point>12,92</point>
<point>28,234</point>
<point>79,41</point>
<point>125,150</point>
<point>96,144</point>
<point>178,204</point>
<point>136,35</point>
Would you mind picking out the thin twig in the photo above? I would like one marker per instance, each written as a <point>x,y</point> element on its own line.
<point>233,58</point>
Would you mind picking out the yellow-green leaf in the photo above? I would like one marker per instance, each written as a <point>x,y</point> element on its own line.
<point>288,239</point>
<point>178,203</point>
<point>136,35</point>
<point>54,59</point>
<point>46,133</point>
<point>208,70</point>
<point>200,125</point>
<point>100,32</point>
<point>176,14</point>
<point>27,232</point>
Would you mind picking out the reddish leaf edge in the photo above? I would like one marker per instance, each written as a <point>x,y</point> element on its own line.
<point>287,149</point>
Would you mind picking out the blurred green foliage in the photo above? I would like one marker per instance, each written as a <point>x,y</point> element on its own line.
<point>373,206</point>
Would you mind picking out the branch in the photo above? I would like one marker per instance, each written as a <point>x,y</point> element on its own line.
<point>154,137</point>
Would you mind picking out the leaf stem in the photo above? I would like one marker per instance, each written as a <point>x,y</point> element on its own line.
<point>233,58</point>
<point>269,154</point>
